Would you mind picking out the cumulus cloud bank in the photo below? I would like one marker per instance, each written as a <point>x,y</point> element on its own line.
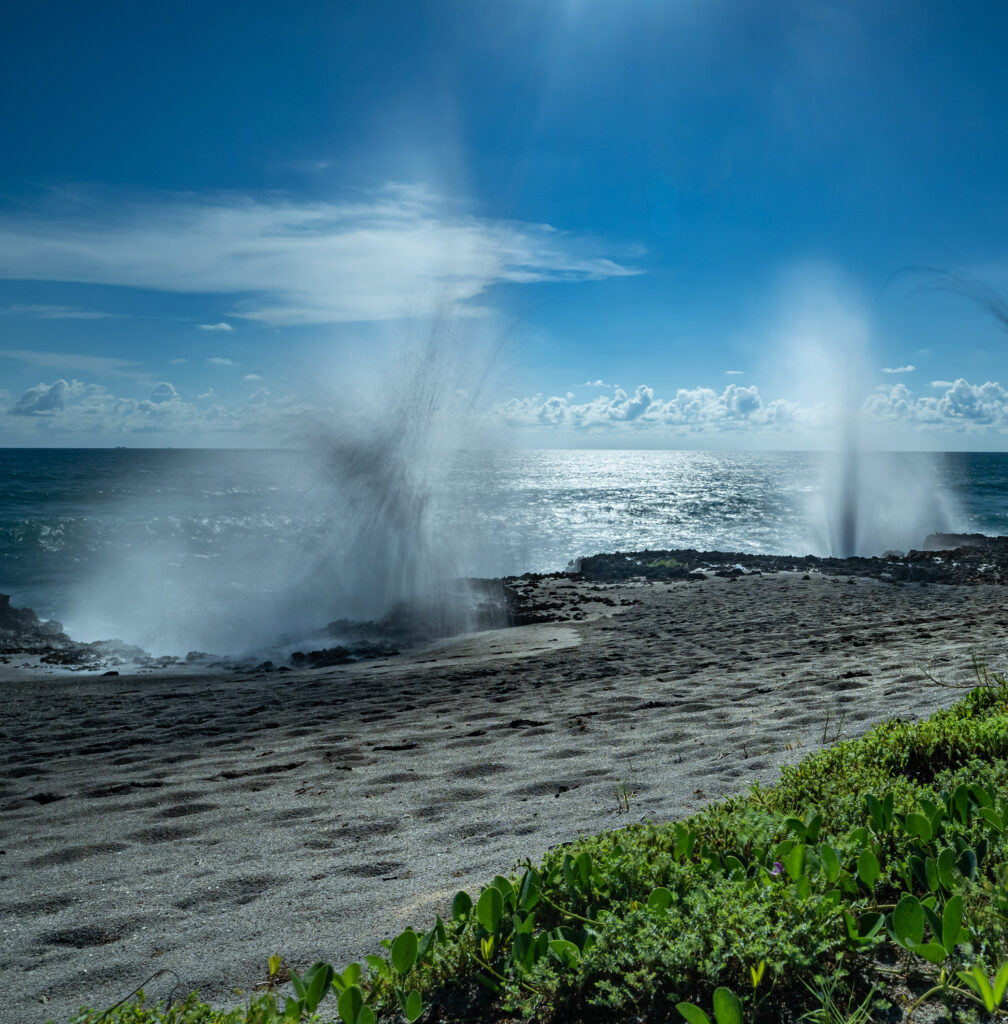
<point>694,409</point>
<point>962,407</point>
<point>70,405</point>
<point>391,254</point>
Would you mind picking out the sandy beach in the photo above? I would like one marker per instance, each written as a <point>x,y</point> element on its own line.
<point>202,823</point>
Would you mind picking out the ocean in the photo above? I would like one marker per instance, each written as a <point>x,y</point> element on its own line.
<point>220,550</point>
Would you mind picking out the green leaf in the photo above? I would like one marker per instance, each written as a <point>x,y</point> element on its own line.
<point>908,922</point>
<point>490,908</point>
<point>566,952</point>
<point>530,892</point>
<point>952,918</point>
<point>794,861</point>
<point>349,1004</point>
<point>426,942</point>
<point>693,1014</point>
<point>875,812</point>
<point>378,964</point>
<point>992,818</point>
<point>1000,983</point>
<point>404,952</point>
<point>366,1015</point>
<point>461,906</point>
<point>797,826</point>
<point>727,1006</point>
<point>948,870</point>
<point>980,796</point>
<point>583,864</point>
<point>934,952</point>
<point>931,872</point>
<point>300,988</point>
<point>506,888</point>
<point>414,1006</point>
<point>350,976</point>
<point>813,827</point>
<point>318,978</point>
<point>868,868</point>
<point>830,862</point>
<point>918,826</point>
<point>660,900</point>
<point>977,980</point>
<point>733,866</point>
<point>967,863</point>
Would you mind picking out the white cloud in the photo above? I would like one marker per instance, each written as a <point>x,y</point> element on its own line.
<point>909,368</point>
<point>733,373</point>
<point>220,361</point>
<point>70,406</point>
<point>252,376</point>
<point>222,326</point>
<point>696,409</point>
<point>49,312</point>
<point>396,252</point>
<point>209,393</point>
<point>964,407</point>
<point>941,383</point>
<point>596,384</point>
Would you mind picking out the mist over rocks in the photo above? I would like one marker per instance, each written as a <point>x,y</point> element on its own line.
<point>950,559</point>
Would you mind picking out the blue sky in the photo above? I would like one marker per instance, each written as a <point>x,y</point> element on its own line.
<point>675,224</point>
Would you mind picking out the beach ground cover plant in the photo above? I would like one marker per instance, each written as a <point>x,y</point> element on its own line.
<point>870,883</point>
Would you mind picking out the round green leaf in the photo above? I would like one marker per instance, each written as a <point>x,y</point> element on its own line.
<point>908,922</point>
<point>917,825</point>
<point>461,906</point>
<point>727,1006</point>
<point>404,952</point>
<point>868,868</point>
<point>693,1014</point>
<point>349,1004</point>
<point>414,1006</point>
<point>490,908</point>
<point>660,900</point>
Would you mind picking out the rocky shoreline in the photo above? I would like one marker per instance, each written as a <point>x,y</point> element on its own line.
<point>949,559</point>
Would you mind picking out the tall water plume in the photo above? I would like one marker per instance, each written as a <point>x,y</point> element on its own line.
<point>868,500</point>
<point>358,520</point>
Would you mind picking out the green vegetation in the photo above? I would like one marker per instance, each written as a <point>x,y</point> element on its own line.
<point>869,883</point>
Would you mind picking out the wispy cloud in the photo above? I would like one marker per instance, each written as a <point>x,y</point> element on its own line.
<point>733,373</point>
<point>50,312</point>
<point>70,362</point>
<point>252,376</point>
<point>909,368</point>
<point>220,361</point>
<point>222,326</point>
<point>393,253</point>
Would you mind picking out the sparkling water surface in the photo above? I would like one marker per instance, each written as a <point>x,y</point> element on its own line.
<point>91,536</point>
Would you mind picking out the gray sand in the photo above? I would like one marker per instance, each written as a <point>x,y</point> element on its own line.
<point>202,824</point>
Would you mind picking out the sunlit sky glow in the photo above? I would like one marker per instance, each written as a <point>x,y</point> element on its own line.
<point>650,212</point>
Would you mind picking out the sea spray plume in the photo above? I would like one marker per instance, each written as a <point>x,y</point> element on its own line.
<point>867,501</point>
<point>386,460</point>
